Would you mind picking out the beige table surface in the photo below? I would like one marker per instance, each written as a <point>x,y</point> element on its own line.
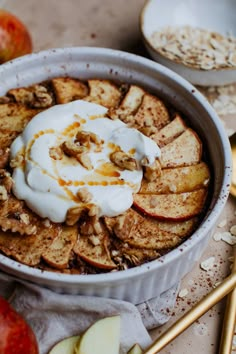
<point>114,24</point>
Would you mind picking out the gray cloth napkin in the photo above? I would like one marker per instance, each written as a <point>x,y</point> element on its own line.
<point>55,316</point>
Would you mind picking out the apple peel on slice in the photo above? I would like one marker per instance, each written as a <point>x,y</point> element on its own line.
<point>93,249</point>
<point>185,150</point>
<point>103,337</point>
<point>178,180</point>
<point>181,206</point>
<point>170,131</point>
<point>65,346</point>
<point>150,233</point>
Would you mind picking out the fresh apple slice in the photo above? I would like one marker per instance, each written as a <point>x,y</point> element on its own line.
<point>103,92</point>
<point>183,151</point>
<point>169,132</point>
<point>68,89</point>
<point>178,180</point>
<point>181,206</point>
<point>93,249</point>
<point>103,337</point>
<point>136,349</point>
<point>65,346</point>
<point>153,111</point>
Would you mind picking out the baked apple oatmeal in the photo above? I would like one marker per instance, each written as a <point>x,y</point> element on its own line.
<point>96,176</point>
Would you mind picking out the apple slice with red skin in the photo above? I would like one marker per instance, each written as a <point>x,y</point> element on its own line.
<point>170,131</point>
<point>15,39</point>
<point>181,206</point>
<point>93,248</point>
<point>16,336</point>
<point>185,150</point>
<point>148,233</point>
<point>178,180</point>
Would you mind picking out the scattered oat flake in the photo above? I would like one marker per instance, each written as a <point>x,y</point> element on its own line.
<point>217,284</point>
<point>233,230</point>
<point>217,236</point>
<point>183,293</point>
<point>208,263</point>
<point>228,238</point>
<point>222,223</point>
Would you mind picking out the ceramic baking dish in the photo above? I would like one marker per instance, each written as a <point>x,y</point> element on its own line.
<point>148,280</point>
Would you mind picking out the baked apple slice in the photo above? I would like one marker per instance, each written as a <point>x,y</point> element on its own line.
<point>93,248</point>
<point>132,254</point>
<point>103,92</point>
<point>28,249</point>
<point>150,233</point>
<point>152,112</point>
<point>35,96</point>
<point>129,104</point>
<point>178,180</point>
<point>58,253</point>
<point>169,132</point>
<point>15,116</point>
<point>67,89</point>
<point>180,206</point>
<point>183,151</point>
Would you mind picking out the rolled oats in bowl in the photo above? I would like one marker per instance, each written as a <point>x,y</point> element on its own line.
<point>196,47</point>
<point>196,40</point>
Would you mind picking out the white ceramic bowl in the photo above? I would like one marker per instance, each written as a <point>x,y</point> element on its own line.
<point>148,280</point>
<point>214,15</point>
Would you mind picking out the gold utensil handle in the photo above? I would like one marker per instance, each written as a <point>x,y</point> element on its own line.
<point>229,319</point>
<point>192,315</point>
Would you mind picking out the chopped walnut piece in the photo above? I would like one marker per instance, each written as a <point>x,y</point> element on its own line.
<point>42,98</point>
<point>3,193</point>
<point>84,195</point>
<point>25,218</point>
<point>4,156</point>
<point>94,240</point>
<point>84,138</point>
<point>6,180</point>
<point>94,210</point>
<point>124,161</point>
<point>72,149</point>
<point>97,227</point>
<point>152,171</point>
<point>18,161</point>
<point>148,130</point>
<point>73,215</point>
<point>55,153</point>
<point>85,161</point>
<point>120,220</point>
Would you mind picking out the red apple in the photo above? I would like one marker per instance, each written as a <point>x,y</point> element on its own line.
<point>15,39</point>
<point>16,336</point>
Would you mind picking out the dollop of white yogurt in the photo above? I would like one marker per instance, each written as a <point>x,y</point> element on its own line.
<point>49,186</point>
